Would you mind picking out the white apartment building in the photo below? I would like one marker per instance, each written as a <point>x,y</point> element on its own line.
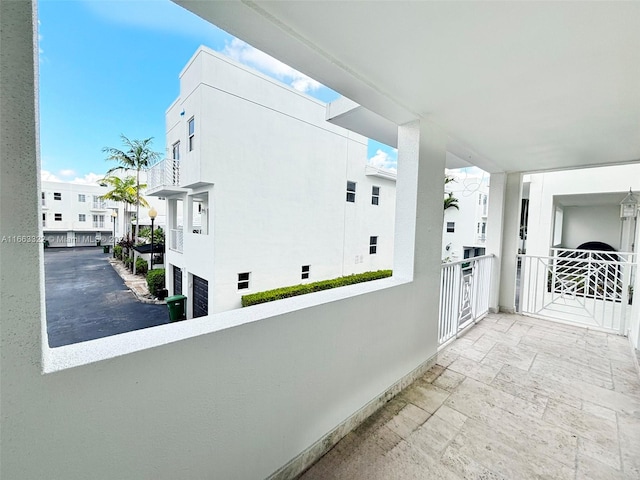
<point>74,215</point>
<point>273,193</point>
<point>464,231</point>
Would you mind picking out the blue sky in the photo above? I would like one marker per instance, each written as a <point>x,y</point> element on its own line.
<point>111,67</point>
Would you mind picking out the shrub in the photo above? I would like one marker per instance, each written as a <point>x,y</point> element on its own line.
<point>286,292</point>
<point>155,281</point>
<point>141,266</point>
<point>117,251</point>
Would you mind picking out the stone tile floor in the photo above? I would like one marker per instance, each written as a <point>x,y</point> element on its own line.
<point>514,398</point>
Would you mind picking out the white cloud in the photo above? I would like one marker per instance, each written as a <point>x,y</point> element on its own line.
<point>248,55</point>
<point>47,176</point>
<point>385,161</point>
<point>67,173</point>
<point>88,179</point>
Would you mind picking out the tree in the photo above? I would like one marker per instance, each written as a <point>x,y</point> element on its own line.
<point>136,155</point>
<point>124,190</point>
<point>449,200</point>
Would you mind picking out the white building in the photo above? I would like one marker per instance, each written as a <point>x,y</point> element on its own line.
<point>74,215</point>
<point>568,209</point>
<point>273,193</point>
<point>464,231</point>
<point>262,392</point>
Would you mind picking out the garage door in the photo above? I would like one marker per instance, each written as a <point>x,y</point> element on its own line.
<point>177,281</point>
<point>200,297</point>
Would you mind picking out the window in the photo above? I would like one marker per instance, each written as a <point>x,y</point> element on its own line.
<point>351,191</point>
<point>98,221</point>
<point>305,272</point>
<point>44,219</point>
<point>192,132</point>
<point>57,217</point>
<point>373,245</point>
<point>57,196</point>
<point>451,227</point>
<point>82,198</point>
<point>243,280</point>
<point>44,199</point>
<point>98,202</point>
<point>375,195</point>
<point>82,217</point>
<point>175,151</point>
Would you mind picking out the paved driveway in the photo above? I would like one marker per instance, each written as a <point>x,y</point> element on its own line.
<point>87,299</point>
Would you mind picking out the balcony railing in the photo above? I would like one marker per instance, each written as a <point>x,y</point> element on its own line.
<point>583,287</point>
<point>176,240</point>
<point>464,295</point>
<point>164,173</point>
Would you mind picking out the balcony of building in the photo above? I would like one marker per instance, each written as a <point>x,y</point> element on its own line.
<point>513,397</point>
<point>163,178</point>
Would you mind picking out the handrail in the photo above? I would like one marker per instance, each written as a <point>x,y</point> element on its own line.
<point>467,260</point>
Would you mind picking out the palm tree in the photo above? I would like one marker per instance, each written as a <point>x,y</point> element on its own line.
<point>124,190</point>
<point>136,155</point>
<point>449,200</point>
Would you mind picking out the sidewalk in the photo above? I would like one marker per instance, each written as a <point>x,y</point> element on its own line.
<point>135,283</point>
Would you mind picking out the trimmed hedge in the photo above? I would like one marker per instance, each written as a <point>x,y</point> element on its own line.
<point>117,251</point>
<point>141,266</point>
<point>293,291</point>
<point>155,281</point>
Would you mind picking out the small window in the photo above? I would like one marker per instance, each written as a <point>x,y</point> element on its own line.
<point>44,199</point>
<point>375,195</point>
<point>57,196</point>
<point>44,219</point>
<point>192,132</point>
<point>451,227</point>
<point>82,217</point>
<point>57,217</point>
<point>175,151</point>
<point>305,272</point>
<point>243,280</point>
<point>373,245</point>
<point>351,191</point>
<point>82,198</point>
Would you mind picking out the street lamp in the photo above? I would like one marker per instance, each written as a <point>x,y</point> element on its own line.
<point>114,215</point>
<point>152,215</point>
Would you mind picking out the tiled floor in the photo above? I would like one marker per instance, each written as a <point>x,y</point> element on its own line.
<point>514,398</point>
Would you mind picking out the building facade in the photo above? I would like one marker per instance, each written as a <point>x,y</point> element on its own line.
<point>261,191</point>
<point>464,231</point>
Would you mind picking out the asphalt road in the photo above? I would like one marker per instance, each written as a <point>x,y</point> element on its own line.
<point>86,298</point>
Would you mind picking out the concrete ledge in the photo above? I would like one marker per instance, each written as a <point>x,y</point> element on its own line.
<point>311,455</point>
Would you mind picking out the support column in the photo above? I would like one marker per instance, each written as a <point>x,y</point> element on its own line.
<point>503,229</point>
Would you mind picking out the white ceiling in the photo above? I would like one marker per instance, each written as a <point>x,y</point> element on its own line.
<point>519,86</point>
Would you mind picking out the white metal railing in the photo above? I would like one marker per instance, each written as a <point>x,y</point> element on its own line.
<point>98,224</point>
<point>584,287</point>
<point>464,295</point>
<point>164,173</point>
<point>176,240</point>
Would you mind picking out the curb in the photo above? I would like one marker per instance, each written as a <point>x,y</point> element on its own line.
<point>130,281</point>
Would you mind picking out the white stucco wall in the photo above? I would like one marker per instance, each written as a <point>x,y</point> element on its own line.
<point>600,223</point>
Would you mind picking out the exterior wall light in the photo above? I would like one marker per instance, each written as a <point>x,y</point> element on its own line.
<point>629,206</point>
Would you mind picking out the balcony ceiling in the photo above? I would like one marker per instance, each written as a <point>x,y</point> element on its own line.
<point>519,86</point>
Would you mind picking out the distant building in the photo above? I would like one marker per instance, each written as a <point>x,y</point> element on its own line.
<point>261,191</point>
<point>464,231</point>
<point>74,215</point>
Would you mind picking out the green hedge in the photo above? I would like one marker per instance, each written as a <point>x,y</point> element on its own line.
<point>286,292</point>
<point>155,281</point>
<point>141,266</point>
<point>117,251</point>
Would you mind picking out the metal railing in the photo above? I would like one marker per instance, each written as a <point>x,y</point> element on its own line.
<point>583,287</point>
<point>176,240</point>
<point>164,173</point>
<point>464,295</point>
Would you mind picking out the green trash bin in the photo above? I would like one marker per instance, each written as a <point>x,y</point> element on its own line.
<point>177,307</point>
<point>105,249</point>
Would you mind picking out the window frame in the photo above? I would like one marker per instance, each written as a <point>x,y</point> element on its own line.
<point>57,195</point>
<point>175,151</point>
<point>375,195</point>
<point>82,198</point>
<point>305,272</point>
<point>191,133</point>
<point>244,279</point>
<point>351,192</point>
<point>57,217</point>
<point>373,245</point>
<point>451,227</point>
<point>82,217</point>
